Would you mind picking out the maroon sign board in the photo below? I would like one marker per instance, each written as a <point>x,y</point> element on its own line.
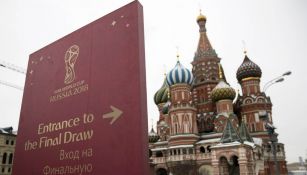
<point>84,105</point>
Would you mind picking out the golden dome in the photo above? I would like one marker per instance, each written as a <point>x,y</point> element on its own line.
<point>201,17</point>
<point>222,91</point>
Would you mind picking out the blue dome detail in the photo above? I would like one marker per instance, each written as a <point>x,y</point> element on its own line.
<point>179,74</point>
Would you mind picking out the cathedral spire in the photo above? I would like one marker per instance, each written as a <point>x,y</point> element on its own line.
<point>221,73</point>
<point>204,48</point>
<point>244,134</point>
<point>230,134</point>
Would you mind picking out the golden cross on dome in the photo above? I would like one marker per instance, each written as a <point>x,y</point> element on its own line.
<point>177,54</point>
<point>164,70</point>
<point>199,6</point>
<point>244,47</point>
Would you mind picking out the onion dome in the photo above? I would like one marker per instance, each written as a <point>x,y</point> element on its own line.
<point>248,69</point>
<point>161,96</point>
<point>153,136</point>
<point>179,74</point>
<point>201,17</point>
<point>222,90</point>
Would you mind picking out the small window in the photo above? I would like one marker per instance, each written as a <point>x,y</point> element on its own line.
<point>11,158</point>
<point>175,152</point>
<point>278,148</point>
<point>7,142</point>
<point>9,170</point>
<point>202,149</point>
<point>184,151</point>
<point>3,170</point>
<point>269,148</point>
<point>12,142</point>
<point>4,158</point>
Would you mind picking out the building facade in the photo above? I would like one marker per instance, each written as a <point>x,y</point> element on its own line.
<point>7,148</point>
<point>206,128</point>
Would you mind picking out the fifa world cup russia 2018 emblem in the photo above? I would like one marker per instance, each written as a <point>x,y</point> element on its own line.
<point>71,56</point>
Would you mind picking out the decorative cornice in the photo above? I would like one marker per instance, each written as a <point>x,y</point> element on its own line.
<point>250,78</point>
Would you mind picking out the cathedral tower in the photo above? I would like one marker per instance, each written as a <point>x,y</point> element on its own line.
<point>161,99</point>
<point>182,112</point>
<point>223,96</point>
<point>205,71</point>
<point>253,102</point>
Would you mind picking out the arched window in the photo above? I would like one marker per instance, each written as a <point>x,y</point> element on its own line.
<point>234,167</point>
<point>161,171</point>
<point>159,154</point>
<point>209,149</point>
<point>11,158</point>
<point>269,148</point>
<point>202,149</point>
<point>4,158</point>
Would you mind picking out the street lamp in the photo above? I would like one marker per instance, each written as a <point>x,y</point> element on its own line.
<point>276,80</point>
<point>268,126</point>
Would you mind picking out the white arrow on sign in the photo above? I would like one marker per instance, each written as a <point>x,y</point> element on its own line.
<point>115,114</point>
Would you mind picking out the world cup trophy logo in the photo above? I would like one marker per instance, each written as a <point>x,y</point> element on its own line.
<point>71,56</point>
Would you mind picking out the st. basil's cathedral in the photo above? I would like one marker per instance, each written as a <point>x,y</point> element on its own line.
<point>206,128</point>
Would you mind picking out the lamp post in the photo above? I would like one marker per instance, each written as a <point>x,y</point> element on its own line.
<point>276,80</point>
<point>268,126</point>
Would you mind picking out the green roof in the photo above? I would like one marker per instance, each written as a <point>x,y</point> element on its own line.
<point>230,134</point>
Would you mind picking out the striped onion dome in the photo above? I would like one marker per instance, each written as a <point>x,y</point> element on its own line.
<point>223,91</point>
<point>248,69</point>
<point>161,96</point>
<point>153,136</point>
<point>179,74</point>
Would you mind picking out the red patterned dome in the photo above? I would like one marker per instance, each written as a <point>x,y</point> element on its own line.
<point>248,69</point>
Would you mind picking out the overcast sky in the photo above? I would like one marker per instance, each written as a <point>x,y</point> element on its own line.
<point>274,32</point>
